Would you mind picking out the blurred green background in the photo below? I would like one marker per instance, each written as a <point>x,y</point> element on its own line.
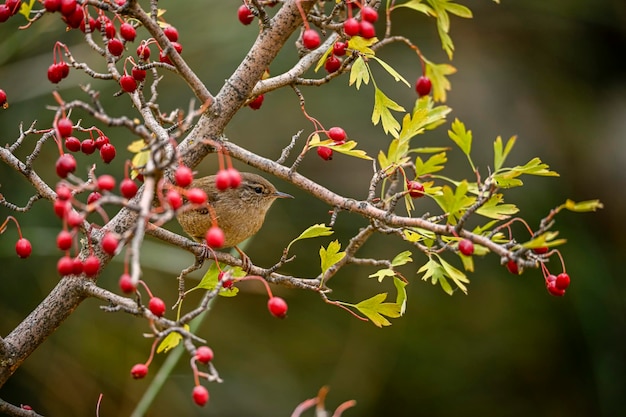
<point>548,72</point>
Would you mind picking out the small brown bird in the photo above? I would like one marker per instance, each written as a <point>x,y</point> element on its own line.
<point>240,212</point>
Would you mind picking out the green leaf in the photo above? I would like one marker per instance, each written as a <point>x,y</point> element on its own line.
<point>375,308</point>
<point>424,117</point>
<point>402,258</point>
<point>401,297</point>
<point>322,60</point>
<point>359,73</point>
<point>430,149</point>
<point>416,5</point>
<point>396,76</point>
<point>499,155</point>
<point>583,206</point>
<point>508,180</point>
<point>433,270</point>
<point>434,164</point>
<point>210,279</point>
<point>495,209</point>
<point>461,136</point>
<point>170,341</point>
<point>331,255</point>
<point>456,275</point>
<point>382,274</point>
<point>535,167</point>
<point>362,45</point>
<point>468,262</point>
<point>382,111</point>
<point>441,8</point>
<point>438,76</point>
<point>396,154</point>
<point>347,148</point>
<point>454,203</point>
<point>544,240</point>
<point>316,230</point>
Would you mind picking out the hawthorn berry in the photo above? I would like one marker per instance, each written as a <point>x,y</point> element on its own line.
<point>325,153</point>
<point>541,250</point>
<point>74,218</point>
<point>423,85</point>
<point>139,371</point>
<point>91,265</point>
<point>63,192</point>
<point>126,284</point>
<point>64,127</point>
<point>234,177</point>
<point>512,266</point>
<point>88,146</point>
<point>332,64</point>
<point>128,188</point>
<point>72,144</point>
<point>369,14</point>
<point>554,290</point>
<point>171,33</point>
<point>156,306</point>
<point>107,152</point>
<point>61,207</point>
<point>278,307</point>
<point>3,98</point>
<point>351,26</point>
<point>93,197</point>
<point>416,189</point>
<point>562,281</point>
<point>138,74</point>
<point>101,141</point>
<point>183,176</point>
<point>164,58</point>
<point>128,83</point>
<point>310,39</point>
<point>196,196</point>
<point>23,248</point>
<point>109,29</point>
<point>64,240</point>
<point>115,47</point>
<point>339,48</point>
<point>466,247</point>
<point>109,243</point>
<point>222,180</point>
<point>106,182</point>
<point>244,15</point>
<point>77,266</point>
<point>337,134</point>
<point>257,102</point>
<point>200,395</point>
<point>5,13</point>
<point>55,73</point>
<point>65,69</point>
<point>367,29</point>
<point>75,18</point>
<point>204,354</point>
<point>128,32</point>
<point>215,237</point>
<point>65,266</point>
<point>13,5</point>
<point>52,5</point>
<point>174,199</point>
<point>143,51</point>
<point>67,7</point>
<point>65,165</point>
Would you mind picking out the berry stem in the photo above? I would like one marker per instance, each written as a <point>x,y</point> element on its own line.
<point>259,278</point>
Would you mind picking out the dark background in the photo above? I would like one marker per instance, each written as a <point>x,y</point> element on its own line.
<point>548,72</point>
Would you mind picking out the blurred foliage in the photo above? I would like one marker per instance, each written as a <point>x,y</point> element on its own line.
<point>545,71</point>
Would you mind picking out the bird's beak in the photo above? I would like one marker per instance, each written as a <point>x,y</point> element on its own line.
<point>279,194</point>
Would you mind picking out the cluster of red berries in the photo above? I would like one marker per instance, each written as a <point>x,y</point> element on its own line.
<point>556,285</point>
<point>66,164</point>
<point>338,135</point>
<point>365,27</point>
<point>8,9</point>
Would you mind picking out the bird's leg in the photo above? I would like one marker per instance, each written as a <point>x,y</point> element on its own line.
<point>246,263</point>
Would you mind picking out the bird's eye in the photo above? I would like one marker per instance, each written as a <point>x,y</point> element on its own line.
<point>258,190</point>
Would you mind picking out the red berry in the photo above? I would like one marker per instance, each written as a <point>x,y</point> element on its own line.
<point>244,15</point>
<point>196,196</point>
<point>234,177</point>
<point>554,290</point>
<point>171,33</point>
<point>109,243</point>
<point>310,39</point>
<point>178,47</point>
<point>128,188</point>
<point>72,144</point>
<point>156,306</point>
<point>109,30</point>
<point>65,266</point>
<point>541,250</point>
<point>325,153</point>
<point>369,14</point>
<point>339,48</point>
<point>256,103</point>
<point>13,5</point>
<point>143,51</point>
<point>68,7</point>
<point>23,248</point>
<point>416,189</point>
<point>513,268</point>
<point>139,371</point>
<point>215,237</point>
<point>367,29</point>
<point>65,165</point>
<point>64,127</point>
<point>101,141</point>
<point>138,74</point>
<point>77,266</point>
<point>5,13</point>
<point>3,98</point>
<point>332,64</point>
<point>91,265</point>
<point>52,5</point>
<point>75,18</point>
<point>61,207</point>
<point>93,197</point>
<point>55,73</point>
<point>128,32</point>
<point>423,86</point>
<point>63,192</point>
<point>164,58</point>
<point>92,25</point>
<point>337,134</point>
<point>65,69</point>
<point>126,284</point>
<point>74,218</point>
<point>200,395</point>
<point>183,176</point>
<point>351,26</point>
<point>174,199</point>
<point>277,306</point>
<point>204,354</point>
<point>115,47</point>
<point>107,152</point>
<point>466,247</point>
<point>106,182</point>
<point>88,146</point>
<point>222,180</point>
<point>562,281</point>
<point>64,240</point>
<point>128,83</point>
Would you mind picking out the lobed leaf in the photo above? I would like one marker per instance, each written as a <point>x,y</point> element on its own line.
<point>331,255</point>
<point>359,73</point>
<point>382,111</point>
<point>316,230</point>
<point>583,206</point>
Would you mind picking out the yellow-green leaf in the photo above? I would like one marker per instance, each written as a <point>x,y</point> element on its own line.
<point>331,255</point>
<point>583,206</point>
<point>456,275</point>
<point>382,274</point>
<point>382,111</point>
<point>499,155</point>
<point>402,258</point>
<point>25,8</point>
<point>544,240</point>
<point>495,209</point>
<point>374,308</point>
<point>433,164</point>
<point>461,136</point>
<point>416,5</point>
<point>316,230</point>
<point>396,76</point>
<point>359,73</point>
<point>322,60</point>
<point>438,76</point>
<point>170,341</point>
<point>362,45</point>
<point>401,297</point>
